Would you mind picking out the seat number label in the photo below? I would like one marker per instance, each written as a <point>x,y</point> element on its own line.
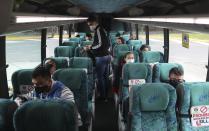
<point>200,116</point>
<point>133,82</point>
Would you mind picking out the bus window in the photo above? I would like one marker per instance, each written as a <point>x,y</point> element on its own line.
<point>23,51</point>
<point>156,39</point>
<point>193,59</point>
<point>53,39</point>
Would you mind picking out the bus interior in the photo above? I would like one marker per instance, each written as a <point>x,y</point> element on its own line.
<point>176,31</point>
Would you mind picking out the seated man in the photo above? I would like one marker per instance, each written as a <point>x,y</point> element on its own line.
<point>45,88</point>
<point>176,76</point>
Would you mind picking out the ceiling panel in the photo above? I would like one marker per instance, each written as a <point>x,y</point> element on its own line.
<point>106,6</point>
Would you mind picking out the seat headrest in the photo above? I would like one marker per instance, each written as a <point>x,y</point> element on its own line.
<point>152,57</point>
<point>7,109</point>
<point>196,93</point>
<point>82,62</point>
<point>154,97</point>
<point>43,115</point>
<point>70,43</point>
<point>162,70</point>
<point>136,71</point>
<point>64,51</point>
<point>61,62</point>
<point>20,78</point>
<point>72,78</point>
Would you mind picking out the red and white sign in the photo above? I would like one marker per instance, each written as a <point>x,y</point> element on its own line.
<point>200,116</point>
<point>133,82</point>
<point>24,89</point>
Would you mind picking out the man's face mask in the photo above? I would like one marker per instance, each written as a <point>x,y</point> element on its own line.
<point>41,85</point>
<point>92,27</point>
<point>175,82</point>
<point>42,89</point>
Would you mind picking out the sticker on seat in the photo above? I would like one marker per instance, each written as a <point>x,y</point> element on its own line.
<point>200,115</point>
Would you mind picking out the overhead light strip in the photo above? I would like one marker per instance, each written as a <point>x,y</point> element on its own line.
<point>196,20</point>
<point>30,19</point>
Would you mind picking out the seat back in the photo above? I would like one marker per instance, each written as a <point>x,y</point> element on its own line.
<point>61,62</point>
<point>75,39</point>
<point>135,72</point>
<point>85,63</point>
<point>20,80</point>
<point>7,109</point>
<point>152,106</point>
<point>151,57</point>
<point>46,115</point>
<point>70,43</point>
<point>161,71</point>
<point>85,43</point>
<point>119,48</point>
<point>76,81</point>
<point>64,51</point>
<point>135,44</point>
<point>192,95</point>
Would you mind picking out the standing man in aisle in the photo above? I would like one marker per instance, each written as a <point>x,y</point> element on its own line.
<point>100,50</point>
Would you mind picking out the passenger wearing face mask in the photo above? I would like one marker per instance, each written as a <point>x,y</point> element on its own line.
<point>176,76</point>
<point>45,87</point>
<point>100,50</point>
<point>128,58</point>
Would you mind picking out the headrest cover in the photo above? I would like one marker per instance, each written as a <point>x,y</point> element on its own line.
<point>199,93</point>
<point>135,71</point>
<point>165,69</point>
<point>154,97</point>
<point>152,56</point>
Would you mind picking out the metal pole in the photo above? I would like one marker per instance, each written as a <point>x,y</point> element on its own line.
<point>137,31</point>
<point>69,30</point>
<point>61,34</point>
<point>207,77</point>
<point>43,44</point>
<point>3,72</point>
<point>166,45</point>
<point>147,34</point>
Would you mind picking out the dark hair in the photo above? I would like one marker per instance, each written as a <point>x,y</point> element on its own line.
<point>92,18</point>
<point>49,59</point>
<point>117,35</point>
<point>88,35</point>
<point>41,71</point>
<point>177,71</point>
<point>144,46</point>
<point>122,40</point>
